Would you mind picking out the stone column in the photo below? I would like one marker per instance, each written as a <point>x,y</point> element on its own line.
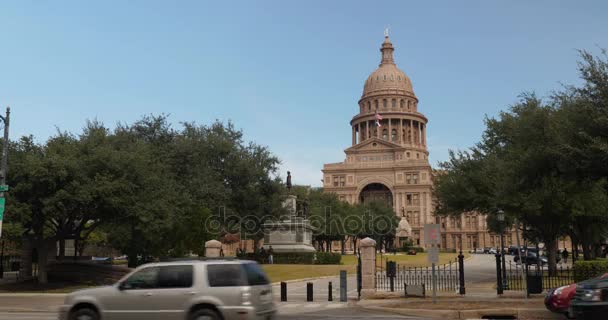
<point>212,248</point>
<point>400,131</point>
<point>390,130</point>
<point>368,267</point>
<point>359,132</point>
<point>354,136</point>
<point>410,132</point>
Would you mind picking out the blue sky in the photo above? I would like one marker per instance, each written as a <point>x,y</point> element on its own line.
<point>288,73</point>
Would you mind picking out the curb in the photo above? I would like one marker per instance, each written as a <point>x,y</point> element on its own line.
<point>32,294</point>
<point>519,313</point>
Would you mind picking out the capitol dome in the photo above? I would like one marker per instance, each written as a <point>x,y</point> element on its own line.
<point>387,79</point>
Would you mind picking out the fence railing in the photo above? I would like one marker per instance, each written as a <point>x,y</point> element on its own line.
<point>563,275</point>
<point>402,275</point>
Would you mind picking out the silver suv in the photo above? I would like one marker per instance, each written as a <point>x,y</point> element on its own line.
<point>185,290</point>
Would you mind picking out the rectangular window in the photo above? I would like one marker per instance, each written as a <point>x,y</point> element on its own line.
<point>175,277</point>
<point>336,181</point>
<point>415,178</point>
<point>409,199</point>
<point>416,218</point>
<point>225,275</point>
<point>255,275</point>
<point>143,279</point>
<point>416,199</point>
<point>342,181</point>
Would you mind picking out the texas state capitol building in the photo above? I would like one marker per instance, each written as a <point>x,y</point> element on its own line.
<point>390,162</point>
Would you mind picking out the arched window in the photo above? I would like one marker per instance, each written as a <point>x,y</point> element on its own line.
<point>402,103</point>
<point>409,104</point>
<point>385,134</point>
<point>376,104</point>
<point>384,104</point>
<point>369,106</point>
<point>394,103</point>
<point>394,135</point>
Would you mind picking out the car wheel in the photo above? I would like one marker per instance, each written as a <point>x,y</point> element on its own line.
<point>204,314</point>
<point>84,314</point>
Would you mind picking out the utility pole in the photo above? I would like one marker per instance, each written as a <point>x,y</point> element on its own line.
<point>4,165</point>
<point>3,186</point>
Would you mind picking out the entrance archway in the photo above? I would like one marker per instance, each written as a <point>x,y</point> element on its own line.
<point>376,192</point>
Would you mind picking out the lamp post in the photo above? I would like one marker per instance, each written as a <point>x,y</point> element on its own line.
<point>501,219</point>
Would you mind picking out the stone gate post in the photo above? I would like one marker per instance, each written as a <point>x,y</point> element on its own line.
<point>212,248</point>
<point>368,267</point>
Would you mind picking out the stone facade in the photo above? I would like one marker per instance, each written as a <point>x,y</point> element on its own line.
<point>388,161</point>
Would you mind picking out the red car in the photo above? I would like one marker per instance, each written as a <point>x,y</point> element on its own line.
<point>558,299</point>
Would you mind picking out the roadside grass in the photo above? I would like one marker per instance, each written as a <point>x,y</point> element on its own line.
<point>285,272</point>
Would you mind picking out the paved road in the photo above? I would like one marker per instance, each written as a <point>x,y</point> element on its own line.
<point>341,313</point>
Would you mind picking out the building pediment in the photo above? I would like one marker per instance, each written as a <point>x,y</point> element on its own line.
<point>374,144</point>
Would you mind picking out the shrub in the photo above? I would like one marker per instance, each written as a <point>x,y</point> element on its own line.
<point>280,258</point>
<point>294,258</point>
<point>328,258</point>
<point>418,249</point>
<point>584,270</point>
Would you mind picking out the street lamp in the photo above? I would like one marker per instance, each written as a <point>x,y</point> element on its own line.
<point>501,219</point>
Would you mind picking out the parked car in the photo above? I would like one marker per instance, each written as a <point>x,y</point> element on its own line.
<point>558,299</point>
<point>532,258</point>
<point>492,251</point>
<point>486,250</point>
<point>476,250</point>
<point>209,289</point>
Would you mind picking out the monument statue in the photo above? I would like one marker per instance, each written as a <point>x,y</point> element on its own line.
<point>292,233</point>
<point>288,183</point>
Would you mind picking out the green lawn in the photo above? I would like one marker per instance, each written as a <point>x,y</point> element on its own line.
<point>284,272</point>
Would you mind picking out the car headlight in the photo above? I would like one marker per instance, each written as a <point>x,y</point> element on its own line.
<point>592,295</point>
<point>559,290</point>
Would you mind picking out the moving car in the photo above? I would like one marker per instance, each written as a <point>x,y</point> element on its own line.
<point>558,299</point>
<point>186,290</point>
<point>590,301</point>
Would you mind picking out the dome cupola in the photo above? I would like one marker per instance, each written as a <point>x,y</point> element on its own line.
<point>387,79</point>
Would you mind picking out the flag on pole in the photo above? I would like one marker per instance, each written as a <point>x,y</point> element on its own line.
<point>378,119</point>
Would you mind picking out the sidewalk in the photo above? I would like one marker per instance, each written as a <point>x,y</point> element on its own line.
<point>466,307</point>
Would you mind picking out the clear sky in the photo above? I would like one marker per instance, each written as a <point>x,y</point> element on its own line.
<point>288,73</point>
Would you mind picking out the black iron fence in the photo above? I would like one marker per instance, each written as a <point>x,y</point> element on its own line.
<point>538,278</point>
<point>391,276</point>
<point>10,263</point>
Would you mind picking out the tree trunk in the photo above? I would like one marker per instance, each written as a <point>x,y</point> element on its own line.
<point>42,262</point>
<point>61,254</point>
<point>551,256</point>
<point>343,243</point>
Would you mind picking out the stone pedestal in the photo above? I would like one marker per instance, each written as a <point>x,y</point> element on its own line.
<point>368,267</point>
<point>292,234</point>
<point>213,248</point>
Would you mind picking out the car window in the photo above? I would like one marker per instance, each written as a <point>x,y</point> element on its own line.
<point>143,279</point>
<point>225,275</point>
<point>175,276</point>
<point>255,274</point>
